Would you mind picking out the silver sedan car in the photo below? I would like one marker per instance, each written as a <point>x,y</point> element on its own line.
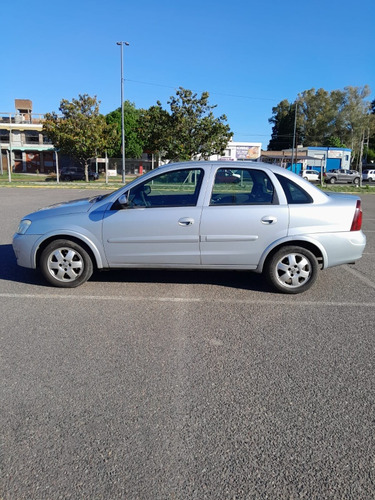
<point>268,220</point>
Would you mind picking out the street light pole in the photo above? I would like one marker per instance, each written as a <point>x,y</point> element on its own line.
<point>122,110</point>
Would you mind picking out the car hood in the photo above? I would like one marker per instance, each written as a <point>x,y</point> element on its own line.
<point>64,208</point>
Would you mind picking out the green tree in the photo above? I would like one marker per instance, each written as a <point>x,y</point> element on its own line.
<point>80,131</point>
<point>317,113</point>
<point>133,142</point>
<point>335,118</point>
<point>283,126</point>
<point>155,129</point>
<point>334,142</point>
<point>190,129</point>
<point>370,150</point>
<point>355,118</point>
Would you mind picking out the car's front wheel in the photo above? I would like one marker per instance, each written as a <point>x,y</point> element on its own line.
<point>65,264</point>
<point>356,181</point>
<point>292,269</point>
<point>332,180</point>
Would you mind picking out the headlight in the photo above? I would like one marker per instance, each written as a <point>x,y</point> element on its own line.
<point>24,226</point>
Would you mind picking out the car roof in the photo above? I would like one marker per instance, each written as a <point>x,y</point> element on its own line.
<point>224,164</point>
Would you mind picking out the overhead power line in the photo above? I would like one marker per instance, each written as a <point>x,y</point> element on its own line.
<point>194,90</point>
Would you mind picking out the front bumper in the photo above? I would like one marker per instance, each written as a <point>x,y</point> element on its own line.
<point>24,247</point>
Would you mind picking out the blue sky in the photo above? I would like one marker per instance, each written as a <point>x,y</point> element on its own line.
<point>248,55</point>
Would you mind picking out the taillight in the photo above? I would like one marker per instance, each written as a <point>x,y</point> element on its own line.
<point>357,219</point>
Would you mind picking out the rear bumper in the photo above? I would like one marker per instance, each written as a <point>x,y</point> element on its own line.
<point>342,248</point>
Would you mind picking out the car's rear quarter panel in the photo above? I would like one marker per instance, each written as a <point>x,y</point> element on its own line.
<point>321,218</point>
<point>329,224</point>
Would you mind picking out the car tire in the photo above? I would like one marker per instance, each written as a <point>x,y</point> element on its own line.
<point>292,269</point>
<point>306,178</point>
<point>356,181</point>
<point>65,264</point>
<point>332,180</point>
<point>66,178</point>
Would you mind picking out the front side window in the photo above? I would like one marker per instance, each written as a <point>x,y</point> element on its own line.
<point>242,187</point>
<point>173,189</point>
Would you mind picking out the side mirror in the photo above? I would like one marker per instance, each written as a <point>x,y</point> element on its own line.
<point>123,200</point>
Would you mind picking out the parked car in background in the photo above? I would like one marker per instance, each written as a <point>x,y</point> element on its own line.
<point>368,175</point>
<point>227,176</point>
<point>342,175</point>
<point>183,216</point>
<point>310,175</point>
<point>77,174</point>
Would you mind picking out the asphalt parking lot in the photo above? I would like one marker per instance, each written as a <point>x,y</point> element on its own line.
<point>184,385</point>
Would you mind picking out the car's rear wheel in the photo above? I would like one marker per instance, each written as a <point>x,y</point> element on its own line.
<point>65,264</point>
<point>292,269</point>
<point>332,180</point>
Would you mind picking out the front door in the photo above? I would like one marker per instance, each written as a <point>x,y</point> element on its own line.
<point>159,225</point>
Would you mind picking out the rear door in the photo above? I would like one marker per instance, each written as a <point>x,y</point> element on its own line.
<point>241,220</point>
<point>343,175</point>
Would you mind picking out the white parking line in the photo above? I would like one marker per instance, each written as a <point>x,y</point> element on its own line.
<point>115,298</point>
<point>360,276</point>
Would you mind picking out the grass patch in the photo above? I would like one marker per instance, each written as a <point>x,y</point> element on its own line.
<point>347,188</point>
<point>43,180</point>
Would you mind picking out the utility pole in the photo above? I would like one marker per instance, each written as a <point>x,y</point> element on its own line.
<point>294,134</point>
<point>361,156</point>
<point>122,110</point>
<point>57,167</point>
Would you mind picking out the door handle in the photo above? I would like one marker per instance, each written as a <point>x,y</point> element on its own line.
<point>269,219</point>
<point>186,221</point>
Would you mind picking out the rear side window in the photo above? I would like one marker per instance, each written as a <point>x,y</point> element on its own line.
<point>241,186</point>
<point>293,192</point>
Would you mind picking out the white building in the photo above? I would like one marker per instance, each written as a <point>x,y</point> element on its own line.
<point>240,151</point>
<point>325,157</point>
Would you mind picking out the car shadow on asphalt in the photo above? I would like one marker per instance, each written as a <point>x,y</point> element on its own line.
<point>10,271</point>
<point>230,279</point>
